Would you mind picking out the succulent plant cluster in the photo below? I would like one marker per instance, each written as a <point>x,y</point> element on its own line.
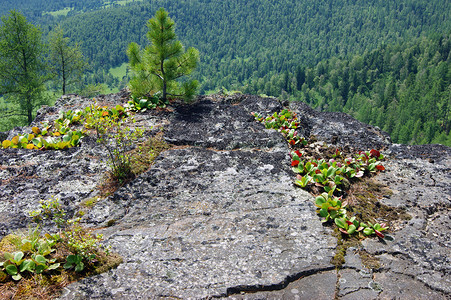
<point>332,208</point>
<point>329,175</point>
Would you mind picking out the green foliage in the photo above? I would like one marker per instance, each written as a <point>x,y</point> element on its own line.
<point>36,248</point>
<point>50,210</point>
<point>77,239</point>
<point>117,138</point>
<point>158,66</point>
<point>74,261</point>
<point>58,137</point>
<point>22,68</point>
<point>66,62</point>
<point>48,261</point>
<point>330,207</point>
<point>329,175</point>
<point>403,88</point>
<point>286,123</point>
<point>145,102</point>
<point>92,90</point>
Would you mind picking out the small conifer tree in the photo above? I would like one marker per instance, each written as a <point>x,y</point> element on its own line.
<point>158,67</point>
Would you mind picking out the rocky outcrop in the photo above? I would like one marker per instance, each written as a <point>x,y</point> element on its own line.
<point>218,215</point>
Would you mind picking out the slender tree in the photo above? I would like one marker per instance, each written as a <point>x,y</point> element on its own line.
<point>22,67</point>
<point>67,63</point>
<point>158,66</point>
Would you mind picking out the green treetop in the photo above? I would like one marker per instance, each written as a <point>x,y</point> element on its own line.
<point>157,67</point>
<point>67,62</point>
<point>22,66</point>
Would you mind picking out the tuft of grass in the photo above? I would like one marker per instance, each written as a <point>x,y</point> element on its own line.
<point>145,153</point>
<point>142,158</point>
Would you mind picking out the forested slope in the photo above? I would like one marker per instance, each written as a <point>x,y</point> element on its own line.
<point>270,47</point>
<point>239,39</point>
<point>405,89</point>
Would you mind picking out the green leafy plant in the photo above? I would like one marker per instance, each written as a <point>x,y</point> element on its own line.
<point>94,114</point>
<point>57,137</point>
<point>50,209</point>
<point>348,226</point>
<point>117,138</point>
<point>286,123</point>
<point>82,242</point>
<point>15,264</point>
<point>76,261</point>
<point>143,103</point>
<point>327,174</point>
<point>374,229</point>
<point>12,264</point>
<point>330,207</point>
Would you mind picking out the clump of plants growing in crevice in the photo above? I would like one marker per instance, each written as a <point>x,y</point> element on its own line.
<point>329,177</point>
<point>116,136</point>
<point>286,122</point>
<point>39,265</point>
<point>141,158</point>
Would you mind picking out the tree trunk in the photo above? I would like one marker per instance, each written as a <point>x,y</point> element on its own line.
<point>164,92</point>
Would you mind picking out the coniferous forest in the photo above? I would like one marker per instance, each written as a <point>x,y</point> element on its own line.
<point>386,62</point>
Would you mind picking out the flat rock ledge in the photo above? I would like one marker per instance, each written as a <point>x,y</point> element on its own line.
<point>218,216</point>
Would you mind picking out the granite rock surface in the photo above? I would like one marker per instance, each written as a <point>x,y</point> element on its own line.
<point>218,215</point>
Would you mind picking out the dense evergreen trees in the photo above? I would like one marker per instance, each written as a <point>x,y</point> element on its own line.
<point>241,40</point>
<point>367,55</point>
<point>405,89</point>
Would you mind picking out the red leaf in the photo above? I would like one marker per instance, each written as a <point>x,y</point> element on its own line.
<point>292,142</point>
<point>294,163</point>
<point>349,222</point>
<point>379,234</point>
<point>298,153</point>
<point>375,153</point>
<point>380,167</point>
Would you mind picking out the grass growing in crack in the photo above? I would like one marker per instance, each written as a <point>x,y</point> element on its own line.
<point>141,158</point>
<point>145,153</point>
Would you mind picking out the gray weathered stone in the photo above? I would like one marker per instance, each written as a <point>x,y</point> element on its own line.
<point>218,215</point>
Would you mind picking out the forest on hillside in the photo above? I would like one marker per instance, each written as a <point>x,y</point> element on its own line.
<point>320,52</point>
<point>405,89</point>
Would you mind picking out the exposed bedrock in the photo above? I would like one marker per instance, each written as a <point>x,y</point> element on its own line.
<point>218,215</point>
